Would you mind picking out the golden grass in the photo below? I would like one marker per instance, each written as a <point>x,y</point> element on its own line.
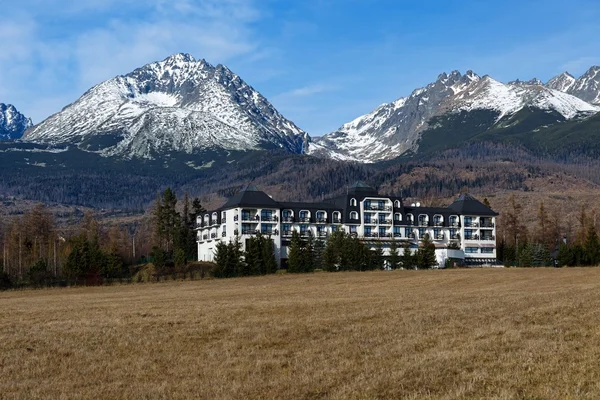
<point>517,333</point>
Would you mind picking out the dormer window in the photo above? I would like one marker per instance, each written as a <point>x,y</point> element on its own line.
<point>353,202</point>
<point>397,204</point>
<point>397,217</point>
<point>354,215</point>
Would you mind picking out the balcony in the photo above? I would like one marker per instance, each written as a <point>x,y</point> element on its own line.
<point>378,208</point>
<point>370,222</point>
<point>397,235</point>
<point>488,238</point>
<point>224,234</point>
<point>337,221</point>
<point>385,222</point>
<point>409,222</point>
<point>321,221</point>
<point>250,218</point>
<point>487,225</point>
<point>371,235</point>
<point>249,231</point>
<point>287,218</point>
<point>385,235</point>
<point>269,219</point>
<point>287,233</point>
<point>472,237</point>
<point>213,235</point>
<point>440,237</point>
<point>306,233</point>
<point>455,224</point>
<point>423,223</point>
<point>305,219</point>
<point>456,236</point>
<point>322,234</point>
<point>438,223</point>
<point>411,236</point>
<point>471,224</point>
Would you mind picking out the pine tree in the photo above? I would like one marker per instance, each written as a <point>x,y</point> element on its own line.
<point>295,256</point>
<point>407,259</point>
<point>377,256</point>
<point>426,254</point>
<point>592,246</point>
<point>308,255</point>
<point>394,259</point>
<point>318,250</point>
<point>222,261</point>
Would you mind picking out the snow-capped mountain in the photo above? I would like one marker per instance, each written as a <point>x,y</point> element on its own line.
<point>395,128</point>
<point>586,87</point>
<point>12,123</point>
<point>178,104</point>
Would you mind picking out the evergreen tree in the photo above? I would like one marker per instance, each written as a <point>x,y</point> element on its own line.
<point>592,246</point>
<point>394,259</point>
<point>426,254</point>
<point>318,251</point>
<point>308,255</point>
<point>222,261</point>
<point>269,263</point>
<point>377,257</point>
<point>295,256</point>
<point>407,258</point>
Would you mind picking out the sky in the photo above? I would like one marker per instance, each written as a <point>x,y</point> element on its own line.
<point>321,63</point>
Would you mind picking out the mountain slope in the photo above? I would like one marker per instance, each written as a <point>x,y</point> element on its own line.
<point>179,105</point>
<point>12,123</point>
<point>395,128</point>
<point>586,87</point>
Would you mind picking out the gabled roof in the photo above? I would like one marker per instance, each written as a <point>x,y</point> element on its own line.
<point>469,205</point>
<point>250,197</point>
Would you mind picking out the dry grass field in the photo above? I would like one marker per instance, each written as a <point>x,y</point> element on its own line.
<point>517,333</point>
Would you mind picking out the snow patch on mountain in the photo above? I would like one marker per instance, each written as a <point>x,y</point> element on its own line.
<point>586,87</point>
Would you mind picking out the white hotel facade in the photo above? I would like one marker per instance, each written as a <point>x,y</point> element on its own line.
<point>465,231</point>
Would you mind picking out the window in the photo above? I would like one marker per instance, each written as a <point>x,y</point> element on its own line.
<point>368,218</point>
<point>354,215</point>
<point>468,221</point>
<point>337,216</point>
<point>397,217</point>
<point>286,227</point>
<point>422,232</point>
<point>353,202</point>
<point>454,220</point>
<point>453,233</point>
<point>397,204</point>
<point>408,232</point>
<point>469,234</point>
<point>334,228</point>
<point>287,213</point>
<point>487,250</point>
<point>353,229</point>
<point>437,233</point>
<point>397,231</point>
<point>321,216</point>
<point>423,220</point>
<point>471,250</point>
<point>438,220</point>
<point>304,216</point>
<point>303,229</point>
<point>409,219</point>
<point>380,205</point>
<point>266,229</point>
<point>266,213</point>
<point>382,231</point>
<point>367,230</point>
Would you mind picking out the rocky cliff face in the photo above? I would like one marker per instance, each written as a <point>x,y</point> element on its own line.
<point>12,123</point>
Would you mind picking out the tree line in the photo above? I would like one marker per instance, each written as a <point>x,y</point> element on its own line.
<point>36,251</point>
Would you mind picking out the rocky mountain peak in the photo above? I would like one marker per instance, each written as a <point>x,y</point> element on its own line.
<point>178,104</point>
<point>12,123</point>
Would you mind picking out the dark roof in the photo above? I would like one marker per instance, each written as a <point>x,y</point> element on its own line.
<point>361,187</point>
<point>250,197</point>
<point>467,204</point>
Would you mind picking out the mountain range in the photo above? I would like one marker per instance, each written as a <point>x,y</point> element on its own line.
<point>186,106</point>
<point>399,127</point>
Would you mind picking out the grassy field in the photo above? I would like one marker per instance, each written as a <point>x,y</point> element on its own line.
<point>517,333</point>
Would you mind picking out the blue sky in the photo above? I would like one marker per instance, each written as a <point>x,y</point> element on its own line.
<point>320,62</point>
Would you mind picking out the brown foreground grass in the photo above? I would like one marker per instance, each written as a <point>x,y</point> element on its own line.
<point>518,333</point>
